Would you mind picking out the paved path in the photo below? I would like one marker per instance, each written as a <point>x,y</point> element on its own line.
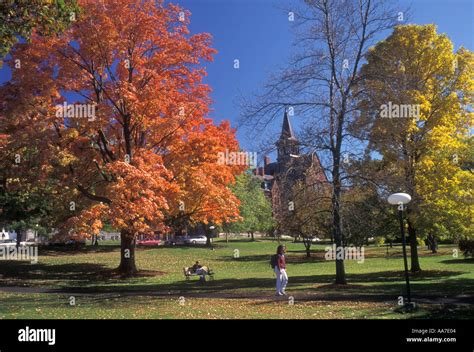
<point>301,296</point>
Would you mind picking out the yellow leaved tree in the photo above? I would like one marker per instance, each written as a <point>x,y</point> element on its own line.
<point>416,110</point>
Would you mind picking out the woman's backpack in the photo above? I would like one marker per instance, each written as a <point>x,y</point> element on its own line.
<point>274,261</point>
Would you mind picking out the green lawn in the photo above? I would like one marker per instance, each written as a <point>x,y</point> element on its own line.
<point>243,285</point>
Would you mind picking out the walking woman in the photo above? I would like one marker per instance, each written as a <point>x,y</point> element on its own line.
<point>280,271</point>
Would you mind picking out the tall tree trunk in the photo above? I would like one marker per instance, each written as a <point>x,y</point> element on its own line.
<point>19,234</point>
<point>415,263</point>
<point>432,243</point>
<point>208,233</point>
<point>95,240</point>
<point>434,246</point>
<point>127,265</point>
<point>307,245</point>
<point>226,232</point>
<point>337,234</point>
<point>252,236</point>
<point>336,201</point>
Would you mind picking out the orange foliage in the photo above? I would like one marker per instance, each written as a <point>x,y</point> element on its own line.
<point>149,145</point>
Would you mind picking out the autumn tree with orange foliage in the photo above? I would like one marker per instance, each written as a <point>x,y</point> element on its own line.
<point>144,153</point>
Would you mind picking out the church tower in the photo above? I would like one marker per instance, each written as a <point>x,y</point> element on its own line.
<point>287,145</point>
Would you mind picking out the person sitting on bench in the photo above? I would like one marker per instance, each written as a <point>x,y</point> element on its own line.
<point>196,267</point>
<point>200,270</point>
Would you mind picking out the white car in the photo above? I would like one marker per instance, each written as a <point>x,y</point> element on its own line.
<point>196,240</point>
<point>285,237</point>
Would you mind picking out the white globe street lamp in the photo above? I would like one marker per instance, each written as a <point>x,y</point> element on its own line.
<point>401,199</point>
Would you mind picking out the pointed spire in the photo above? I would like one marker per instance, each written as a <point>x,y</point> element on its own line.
<point>287,130</point>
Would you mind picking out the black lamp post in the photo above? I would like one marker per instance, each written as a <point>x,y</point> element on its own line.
<point>401,199</point>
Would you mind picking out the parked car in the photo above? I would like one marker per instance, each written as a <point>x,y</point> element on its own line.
<point>315,239</point>
<point>285,237</point>
<point>177,241</point>
<point>196,240</point>
<point>150,242</point>
<point>67,243</point>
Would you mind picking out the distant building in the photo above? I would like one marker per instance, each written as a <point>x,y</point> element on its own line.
<point>110,236</point>
<point>7,235</point>
<point>28,235</point>
<point>278,178</point>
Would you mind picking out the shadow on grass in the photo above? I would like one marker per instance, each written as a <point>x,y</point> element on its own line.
<point>446,311</point>
<point>301,259</point>
<point>374,286</point>
<point>98,273</point>
<point>70,271</point>
<point>89,279</point>
<point>62,251</point>
<point>458,261</point>
<point>379,286</point>
<point>14,273</point>
<point>298,256</point>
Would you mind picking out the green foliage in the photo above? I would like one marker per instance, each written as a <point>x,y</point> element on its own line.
<point>19,18</point>
<point>24,209</point>
<point>255,208</point>
<point>427,154</point>
<point>366,212</point>
<point>365,215</point>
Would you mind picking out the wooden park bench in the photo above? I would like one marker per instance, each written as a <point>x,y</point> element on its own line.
<point>204,271</point>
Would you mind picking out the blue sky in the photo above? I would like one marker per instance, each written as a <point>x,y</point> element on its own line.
<point>258,34</point>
